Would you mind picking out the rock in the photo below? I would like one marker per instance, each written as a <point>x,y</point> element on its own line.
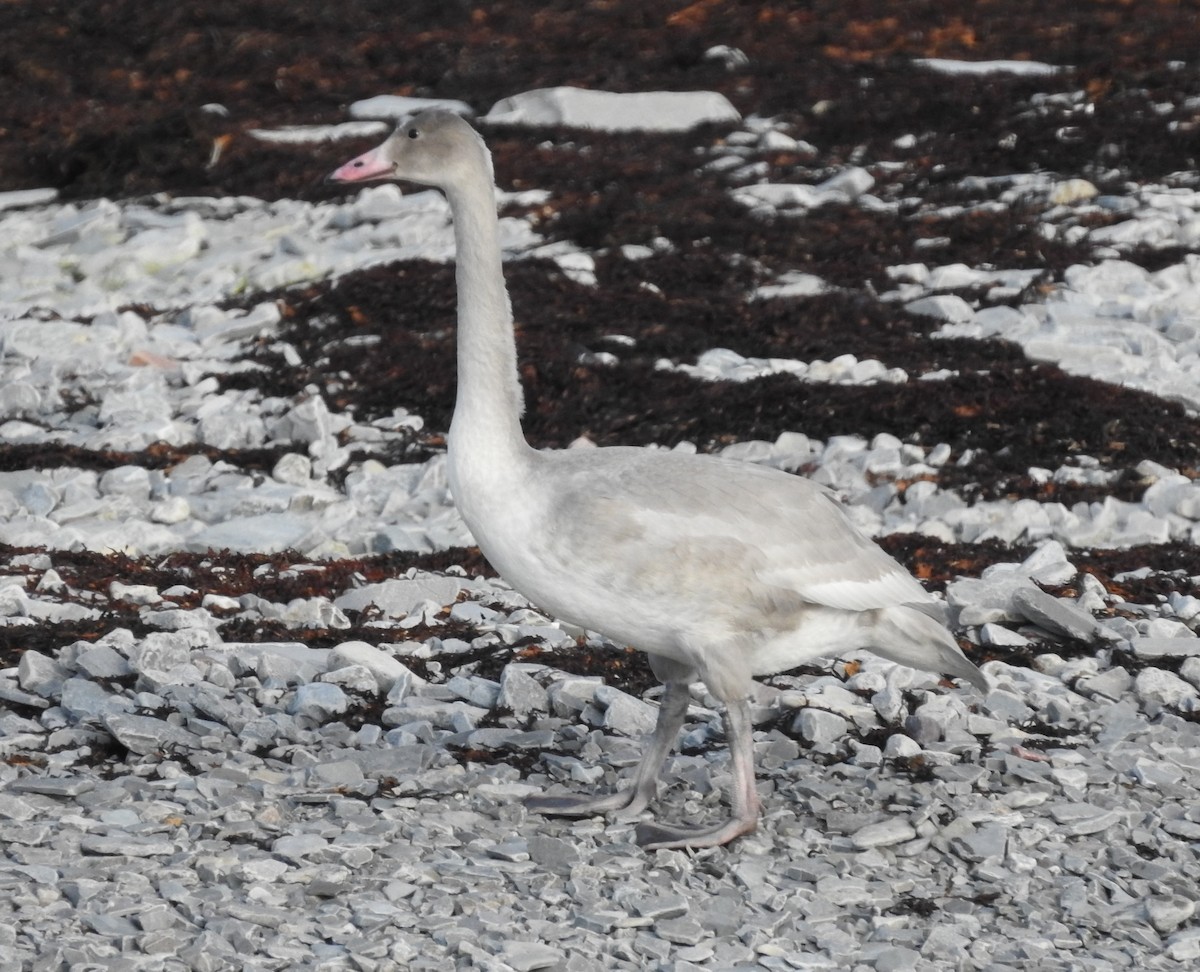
<point>1058,615</point>
<point>945,307</point>
<point>478,691</point>
<point>103,661</point>
<point>897,959</point>
<point>900,746</point>
<point>552,852</point>
<point>851,182</point>
<point>145,735</point>
<point>820,727</point>
<point>570,696</point>
<point>1154,648</point>
<point>1184,946</point>
<point>1168,913</point>
<point>386,669</point>
<point>680,931</point>
<point>1072,191</point>
<point>297,847</point>
<point>924,728</point>
<point>1113,684</point>
<point>292,468</point>
<point>88,701</point>
<point>520,692</point>
<point>130,481</point>
<point>396,108</point>
<point>353,678</point>
<point>407,683</point>
<point>318,702</point>
<point>674,111</point>
<point>894,830</point>
<point>983,843</point>
<point>1001,637</point>
<point>126,845</point>
<point>661,907</point>
<point>41,675</point>
<point>399,598</point>
<point>14,808</point>
<point>1080,819</point>
<point>1049,564</point>
<point>988,598</point>
<point>1164,688</point>
<point>337,773</point>
<point>528,956</point>
<point>456,716</point>
<point>623,713</point>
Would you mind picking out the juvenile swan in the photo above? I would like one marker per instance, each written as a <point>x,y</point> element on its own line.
<point>720,570</point>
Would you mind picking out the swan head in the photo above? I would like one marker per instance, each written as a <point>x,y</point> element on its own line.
<point>433,148</point>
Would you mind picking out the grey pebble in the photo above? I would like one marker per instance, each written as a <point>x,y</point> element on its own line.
<point>125,845</point>
<point>318,701</point>
<point>529,956</point>
<point>145,735</point>
<point>520,692</point>
<point>1058,615</point>
<point>41,675</point>
<point>103,661</point>
<point>1172,648</point>
<point>625,714</point>
<point>820,727</point>
<point>661,907</point>
<point>894,830</point>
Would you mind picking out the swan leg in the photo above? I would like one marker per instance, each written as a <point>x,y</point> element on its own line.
<point>632,800</point>
<point>744,798</point>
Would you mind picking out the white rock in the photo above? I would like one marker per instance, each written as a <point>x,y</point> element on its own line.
<point>353,678</point>
<point>309,134</point>
<point>397,598</point>
<point>663,111</point>
<point>520,692</point>
<point>292,468</point>
<point>395,108</point>
<point>894,830</point>
<point>25,198</point>
<point>623,713</point>
<point>384,667</point>
<point>1072,191</point>
<point>1165,688</point>
<point>820,727</point>
<point>318,701</point>
<point>945,307</point>
<point>944,65</point>
<point>134,593</point>
<point>1168,913</point>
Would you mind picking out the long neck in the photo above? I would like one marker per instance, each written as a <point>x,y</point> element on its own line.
<point>488,406</point>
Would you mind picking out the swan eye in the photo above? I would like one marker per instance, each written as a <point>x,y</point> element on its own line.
<point>413,133</point>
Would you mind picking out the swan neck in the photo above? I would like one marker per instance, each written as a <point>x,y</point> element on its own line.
<point>489,402</point>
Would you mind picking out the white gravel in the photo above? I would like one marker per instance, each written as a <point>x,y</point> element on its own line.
<point>256,819</point>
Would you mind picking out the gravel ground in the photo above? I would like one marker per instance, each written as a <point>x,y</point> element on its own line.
<point>263,706</point>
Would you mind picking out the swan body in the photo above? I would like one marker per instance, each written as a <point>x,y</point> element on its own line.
<point>719,570</point>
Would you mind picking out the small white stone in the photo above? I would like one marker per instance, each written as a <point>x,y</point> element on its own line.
<point>945,307</point>
<point>1163,687</point>
<point>894,830</point>
<point>385,668</point>
<point>640,111</point>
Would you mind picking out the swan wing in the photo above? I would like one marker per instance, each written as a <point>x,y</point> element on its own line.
<point>730,521</point>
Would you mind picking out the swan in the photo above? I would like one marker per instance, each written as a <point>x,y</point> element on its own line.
<point>720,570</point>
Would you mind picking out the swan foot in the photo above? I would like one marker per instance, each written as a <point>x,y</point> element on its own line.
<point>655,836</point>
<point>631,801</point>
<point>585,806</point>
